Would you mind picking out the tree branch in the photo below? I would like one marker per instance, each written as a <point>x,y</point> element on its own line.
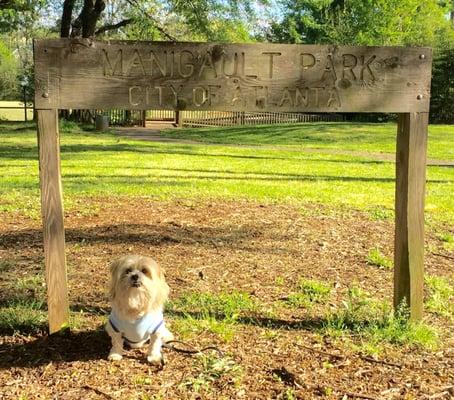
<point>135,4</point>
<point>112,27</point>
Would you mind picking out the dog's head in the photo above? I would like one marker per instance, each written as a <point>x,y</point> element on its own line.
<point>138,286</point>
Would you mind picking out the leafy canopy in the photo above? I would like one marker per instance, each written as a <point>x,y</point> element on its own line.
<point>364,22</point>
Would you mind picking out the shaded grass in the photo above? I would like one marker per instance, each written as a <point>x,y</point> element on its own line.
<point>211,371</point>
<point>370,137</point>
<point>24,316</point>
<point>102,164</point>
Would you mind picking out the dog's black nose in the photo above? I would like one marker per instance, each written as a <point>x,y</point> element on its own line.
<point>135,277</point>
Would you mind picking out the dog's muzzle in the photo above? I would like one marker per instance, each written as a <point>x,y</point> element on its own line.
<point>135,281</point>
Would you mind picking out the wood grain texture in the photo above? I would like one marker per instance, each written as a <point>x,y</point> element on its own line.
<point>409,230</point>
<point>52,216</point>
<point>75,73</point>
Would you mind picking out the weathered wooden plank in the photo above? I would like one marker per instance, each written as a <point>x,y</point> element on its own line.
<point>230,77</point>
<point>409,230</point>
<point>52,216</point>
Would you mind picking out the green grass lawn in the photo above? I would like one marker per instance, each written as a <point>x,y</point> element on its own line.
<point>376,138</point>
<point>107,165</point>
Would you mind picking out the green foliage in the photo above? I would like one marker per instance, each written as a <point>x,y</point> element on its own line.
<point>188,327</point>
<point>375,322</point>
<point>67,126</point>
<point>216,313</point>
<point>9,70</point>
<point>229,306</point>
<point>225,21</point>
<point>375,257</point>
<point>447,237</point>
<point>34,284</point>
<point>359,22</point>
<point>441,296</point>
<point>316,291</point>
<point>197,20</point>
<point>380,214</point>
<point>14,13</point>
<point>309,292</point>
<point>442,96</point>
<point>23,315</point>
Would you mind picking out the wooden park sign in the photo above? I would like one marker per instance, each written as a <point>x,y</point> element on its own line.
<point>84,74</point>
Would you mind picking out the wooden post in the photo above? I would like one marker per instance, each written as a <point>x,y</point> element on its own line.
<point>179,118</point>
<point>144,118</point>
<point>52,216</point>
<point>409,231</point>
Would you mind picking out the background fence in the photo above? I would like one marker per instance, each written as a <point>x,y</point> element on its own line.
<point>15,111</point>
<point>212,118</point>
<point>220,118</point>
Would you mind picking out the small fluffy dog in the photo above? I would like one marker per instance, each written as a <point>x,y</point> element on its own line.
<point>138,292</point>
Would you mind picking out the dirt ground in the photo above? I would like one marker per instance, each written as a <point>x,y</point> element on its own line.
<point>261,249</point>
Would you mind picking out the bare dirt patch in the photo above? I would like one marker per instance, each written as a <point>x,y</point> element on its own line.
<point>217,247</point>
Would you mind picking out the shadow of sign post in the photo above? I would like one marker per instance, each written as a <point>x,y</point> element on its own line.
<point>85,74</point>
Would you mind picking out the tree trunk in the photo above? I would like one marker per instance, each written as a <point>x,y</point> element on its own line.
<point>66,18</point>
<point>89,16</point>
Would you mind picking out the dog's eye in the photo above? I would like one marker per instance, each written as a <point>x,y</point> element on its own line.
<point>128,271</point>
<point>145,272</point>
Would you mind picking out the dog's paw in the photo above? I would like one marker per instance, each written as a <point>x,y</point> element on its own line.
<point>114,357</point>
<point>155,359</point>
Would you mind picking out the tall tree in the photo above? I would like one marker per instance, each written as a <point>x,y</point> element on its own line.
<point>9,70</point>
<point>362,22</point>
<point>154,19</point>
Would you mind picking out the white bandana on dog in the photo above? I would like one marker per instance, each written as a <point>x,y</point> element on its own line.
<point>140,329</point>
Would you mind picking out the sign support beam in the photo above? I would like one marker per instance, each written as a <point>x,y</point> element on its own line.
<point>411,155</point>
<point>52,217</point>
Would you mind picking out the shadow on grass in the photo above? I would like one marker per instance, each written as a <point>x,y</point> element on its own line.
<point>94,344</point>
<point>170,234</point>
<point>13,126</point>
<point>305,324</point>
<point>64,347</point>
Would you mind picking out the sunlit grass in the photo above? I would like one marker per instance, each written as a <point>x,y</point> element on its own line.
<point>441,296</point>
<point>215,313</point>
<point>376,258</point>
<point>103,164</point>
<point>373,322</point>
<point>308,292</point>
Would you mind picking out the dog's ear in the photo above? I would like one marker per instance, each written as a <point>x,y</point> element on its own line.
<point>114,267</point>
<point>165,289</point>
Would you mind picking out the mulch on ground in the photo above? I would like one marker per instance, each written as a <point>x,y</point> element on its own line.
<point>217,247</point>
